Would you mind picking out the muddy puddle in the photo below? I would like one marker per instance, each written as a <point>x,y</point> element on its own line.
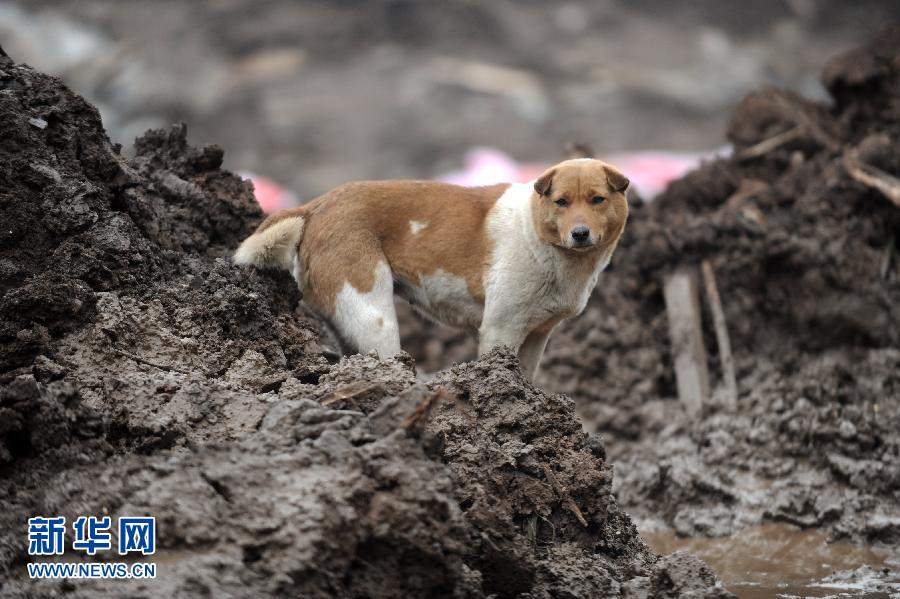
<point>781,560</point>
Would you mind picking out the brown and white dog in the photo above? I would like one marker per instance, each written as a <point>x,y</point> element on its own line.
<point>506,261</point>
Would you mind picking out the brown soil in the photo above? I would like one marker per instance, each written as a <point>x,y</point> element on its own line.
<point>142,373</point>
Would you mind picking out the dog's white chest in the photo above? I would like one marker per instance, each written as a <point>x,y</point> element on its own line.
<point>534,296</point>
<point>566,294</point>
<point>530,283</point>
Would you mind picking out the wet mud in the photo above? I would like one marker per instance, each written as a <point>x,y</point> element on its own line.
<point>783,559</point>
<point>806,260</point>
<point>807,263</point>
<point>144,374</point>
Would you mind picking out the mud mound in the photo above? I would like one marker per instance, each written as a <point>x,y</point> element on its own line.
<point>528,476</point>
<point>317,503</point>
<point>114,278</point>
<point>142,373</point>
<point>806,262</point>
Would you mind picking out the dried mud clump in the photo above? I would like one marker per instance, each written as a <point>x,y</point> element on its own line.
<point>141,373</point>
<point>806,260</point>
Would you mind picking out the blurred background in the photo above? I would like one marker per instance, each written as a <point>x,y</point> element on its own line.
<point>314,93</point>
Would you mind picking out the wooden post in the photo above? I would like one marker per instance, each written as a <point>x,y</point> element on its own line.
<point>722,338</point>
<point>683,309</point>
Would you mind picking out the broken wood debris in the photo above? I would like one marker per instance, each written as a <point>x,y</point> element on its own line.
<point>801,118</point>
<point>871,176</point>
<point>885,267</point>
<point>722,338</point>
<point>424,407</point>
<point>771,143</point>
<point>159,365</point>
<point>683,309</point>
<point>349,392</point>
<point>563,494</point>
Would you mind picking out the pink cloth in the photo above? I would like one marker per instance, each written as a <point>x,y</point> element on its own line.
<point>649,171</point>
<point>271,196</point>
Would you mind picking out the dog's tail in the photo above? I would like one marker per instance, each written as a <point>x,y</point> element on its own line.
<point>275,242</point>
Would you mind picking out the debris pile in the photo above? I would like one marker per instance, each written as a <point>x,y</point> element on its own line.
<point>143,374</point>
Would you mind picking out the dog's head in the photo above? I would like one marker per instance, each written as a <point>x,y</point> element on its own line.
<point>579,205</point>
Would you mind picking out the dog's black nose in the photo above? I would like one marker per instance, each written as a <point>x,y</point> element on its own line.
<point>581,234</point>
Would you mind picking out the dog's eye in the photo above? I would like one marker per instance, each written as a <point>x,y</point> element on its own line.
<point>562,202</point>
<point>597,200</point>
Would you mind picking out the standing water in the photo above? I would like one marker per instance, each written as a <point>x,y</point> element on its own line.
<point>781,560</point>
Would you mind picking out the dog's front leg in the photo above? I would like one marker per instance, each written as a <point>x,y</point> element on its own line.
<point>505,320</point>
<point>532,350</point>
<point>494,334</point>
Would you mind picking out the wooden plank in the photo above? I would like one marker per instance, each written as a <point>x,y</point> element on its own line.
<point>723,340</point>
<point>683,309</point>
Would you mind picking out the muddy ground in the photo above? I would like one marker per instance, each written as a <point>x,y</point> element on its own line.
<point>806,260</point>
<point>143,374</point>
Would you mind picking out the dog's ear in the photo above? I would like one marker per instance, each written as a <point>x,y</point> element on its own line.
<point>542,185</point>
<point>616,180</point>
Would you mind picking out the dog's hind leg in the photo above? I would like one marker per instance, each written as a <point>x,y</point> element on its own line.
<point>367,320</point>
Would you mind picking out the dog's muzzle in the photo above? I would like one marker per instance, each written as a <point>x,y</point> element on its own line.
<point>581,237</point>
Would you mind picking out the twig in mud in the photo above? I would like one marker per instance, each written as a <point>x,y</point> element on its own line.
<point>688,352</point>
<point>722,338</point>
<point>803,119</point>
<point>564,495</point>
<point>424,408</point>
<point>165,367</point>
<point>747,189</point>
<point>873,177</point>
<point>771,143</point>
<point>886,259</point>
<point>531,529</point>
<point>348,392</point>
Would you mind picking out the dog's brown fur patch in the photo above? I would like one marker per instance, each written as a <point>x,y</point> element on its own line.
<point>353,227</point>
